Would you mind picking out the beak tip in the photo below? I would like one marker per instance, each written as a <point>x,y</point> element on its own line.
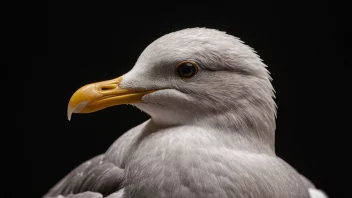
<point>69,116</point>
<point>69,113</point>
<point>75,108</point>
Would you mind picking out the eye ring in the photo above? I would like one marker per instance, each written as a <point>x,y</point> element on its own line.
<point>186,69</point>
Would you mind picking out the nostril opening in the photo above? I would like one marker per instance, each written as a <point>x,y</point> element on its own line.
<point>107,87</point>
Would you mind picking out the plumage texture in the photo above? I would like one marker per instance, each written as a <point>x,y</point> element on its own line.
<point>209,136</point>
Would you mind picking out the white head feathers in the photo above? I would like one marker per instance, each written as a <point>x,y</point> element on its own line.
<point>231,91</point>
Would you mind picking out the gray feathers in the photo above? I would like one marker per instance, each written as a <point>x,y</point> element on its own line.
<point>93,175</point>
<point>209,136</point>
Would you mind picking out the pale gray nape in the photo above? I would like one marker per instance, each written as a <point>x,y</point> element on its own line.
<point>209,136</point>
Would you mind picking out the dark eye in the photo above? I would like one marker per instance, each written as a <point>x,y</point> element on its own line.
<point>187,69</point>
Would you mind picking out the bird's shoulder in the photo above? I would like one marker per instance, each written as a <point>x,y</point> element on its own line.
<point>101,174</point>
<point>94,176</point>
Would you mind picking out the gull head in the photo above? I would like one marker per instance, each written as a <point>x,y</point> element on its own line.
<point>192,76</point>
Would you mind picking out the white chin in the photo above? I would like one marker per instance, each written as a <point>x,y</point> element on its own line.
<point>168,106</point>
<point>160,114</point>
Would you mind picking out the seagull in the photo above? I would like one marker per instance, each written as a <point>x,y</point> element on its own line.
<point>211,131</point>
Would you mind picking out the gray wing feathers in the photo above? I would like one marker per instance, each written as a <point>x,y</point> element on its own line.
<point>81,195</point>
<point>93,175</point>
<point>118,194</point>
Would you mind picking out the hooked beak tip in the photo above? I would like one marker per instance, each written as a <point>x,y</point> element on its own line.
<point>69,113</point>
<point>76,109</point>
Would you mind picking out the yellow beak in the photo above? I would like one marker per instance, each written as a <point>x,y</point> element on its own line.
<point>96,96</point>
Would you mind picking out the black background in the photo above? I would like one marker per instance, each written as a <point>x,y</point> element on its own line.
<point>66,45</point>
